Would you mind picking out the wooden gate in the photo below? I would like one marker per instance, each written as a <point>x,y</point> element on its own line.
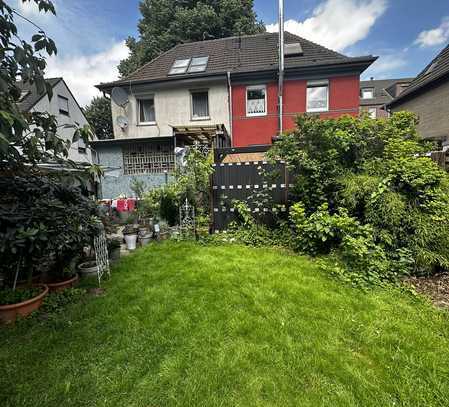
<point>243,174</point>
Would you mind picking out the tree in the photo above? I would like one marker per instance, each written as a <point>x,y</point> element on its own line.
<point>27,139</point>
<point>99,116</point>
<point>166,23</point>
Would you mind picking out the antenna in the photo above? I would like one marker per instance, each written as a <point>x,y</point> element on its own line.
<point>281,63</point>
<point>119,96</point>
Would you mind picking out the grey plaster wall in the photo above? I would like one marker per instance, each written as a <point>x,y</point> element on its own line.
<point>115,183</point>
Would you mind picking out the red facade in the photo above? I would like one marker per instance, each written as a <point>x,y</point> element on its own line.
<point>343,98</point>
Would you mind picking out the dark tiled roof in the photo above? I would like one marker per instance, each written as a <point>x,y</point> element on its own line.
<point>250,53</point>
<point>437,69</point>
<point>33,96</point>
<point>384,91</point>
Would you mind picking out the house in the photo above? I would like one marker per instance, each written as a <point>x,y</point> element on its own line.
<point>428,97</point>
<point>219,92</point>
<point>375,94</point>
<point>64,107</point>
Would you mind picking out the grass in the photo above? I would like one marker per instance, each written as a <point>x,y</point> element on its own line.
<point>188,325</point>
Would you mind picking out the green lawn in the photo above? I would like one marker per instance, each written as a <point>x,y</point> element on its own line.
<point>190,325</point>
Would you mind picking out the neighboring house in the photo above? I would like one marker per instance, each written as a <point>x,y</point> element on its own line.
<point>428,97</point>
<point>375,94</point>
<point>219,92</point>
<point>64,106</point>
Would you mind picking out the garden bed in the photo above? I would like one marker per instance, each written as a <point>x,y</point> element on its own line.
<point>435,287</point>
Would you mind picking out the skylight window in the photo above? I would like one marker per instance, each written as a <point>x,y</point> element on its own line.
<point>179,66</point>
<point>189,65</point>
<point>198,64</point>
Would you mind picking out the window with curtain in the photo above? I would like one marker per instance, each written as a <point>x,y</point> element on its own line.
<point>146,111</point>
<point>317,96</point>
<point>256,100</point>
<point>200,104</point>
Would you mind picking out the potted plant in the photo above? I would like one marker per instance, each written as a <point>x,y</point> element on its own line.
<point>114,246</point>
<point>130,235</point>
<point>88,268</point>
<point>20,302</point>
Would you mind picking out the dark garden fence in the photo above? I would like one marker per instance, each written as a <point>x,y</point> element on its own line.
<point>243,174</point>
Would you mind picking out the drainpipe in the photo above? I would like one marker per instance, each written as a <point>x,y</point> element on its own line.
<point>281,63</point>
<point>228,74</point>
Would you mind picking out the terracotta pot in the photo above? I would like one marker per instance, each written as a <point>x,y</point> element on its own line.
<point>8,313</point>
<point>71,282</point>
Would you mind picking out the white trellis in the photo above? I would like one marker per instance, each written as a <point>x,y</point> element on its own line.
<point>101,256</point>
<point>187,218</point>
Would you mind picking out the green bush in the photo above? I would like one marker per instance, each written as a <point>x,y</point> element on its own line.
<point>40,217</point>
<point>363,189</point>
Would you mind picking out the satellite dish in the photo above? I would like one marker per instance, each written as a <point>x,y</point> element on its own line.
<point>122,122</point>
<point>119,96</point>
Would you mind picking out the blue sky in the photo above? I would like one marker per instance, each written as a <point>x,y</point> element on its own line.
<point>405,34</point>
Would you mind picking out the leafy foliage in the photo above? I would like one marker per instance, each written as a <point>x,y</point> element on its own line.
<point>191,183</point>
<point>365,191</point>
<point>99,116</point>
<point>41,216</point>
<point>30,137</point>
<point>166,23</point>
<point>14,297</point>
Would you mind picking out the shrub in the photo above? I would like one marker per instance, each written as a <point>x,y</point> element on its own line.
<point>41,216</point>
<point>364,190</point>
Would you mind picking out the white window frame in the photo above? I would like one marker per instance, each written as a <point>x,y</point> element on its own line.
<point>195,67</point>
<point>180,69</point>
<point>316,84</point>
<point>139,99</point>
<point>192,92</point>
<point>256,87</point>
<point>370,112</point>
<point>368,89</point>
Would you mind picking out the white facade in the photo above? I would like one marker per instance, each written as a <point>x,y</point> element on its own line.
<point>74,116</point>
<point>172,108</point>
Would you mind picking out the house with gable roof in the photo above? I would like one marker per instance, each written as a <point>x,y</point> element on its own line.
<point>428,97</point>
<point>219,93</point>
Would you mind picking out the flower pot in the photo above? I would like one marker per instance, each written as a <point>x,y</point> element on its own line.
<point>8,313</point>
<point>144,240</point>
<point>70,282</point>
<point>88,268</point>
<point>131,241</point>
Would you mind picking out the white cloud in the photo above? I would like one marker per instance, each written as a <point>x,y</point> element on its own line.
<point>82,72</point>
<point>337,24</point>
<point>386,66</point>
<point>436,36</point>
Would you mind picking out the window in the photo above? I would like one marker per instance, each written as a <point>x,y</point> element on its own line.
<point>367,93</point>
<point>317,96</point>
<point>200,105</point>
<point>256,100</point>
<point>63,105</point>
<point>372,111</point>
<point>148,158</point>
<point>190,65</point>
<point>147,114</point>
<point>179,66</point>
<point>198,64</point>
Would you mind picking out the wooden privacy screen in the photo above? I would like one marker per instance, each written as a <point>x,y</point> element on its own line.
<point>263,186</point>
